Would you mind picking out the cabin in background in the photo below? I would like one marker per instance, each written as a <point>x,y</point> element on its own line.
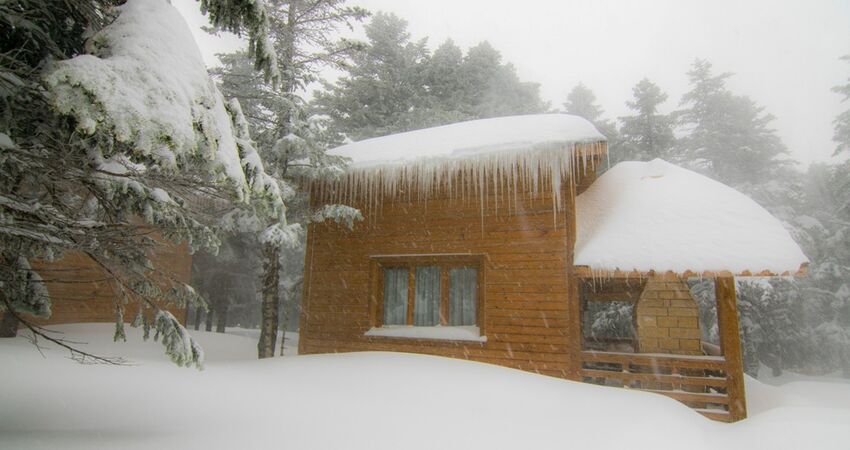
<point>492,240</point>
<point>82,291</point>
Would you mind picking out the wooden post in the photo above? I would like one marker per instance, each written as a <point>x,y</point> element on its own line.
<point>411,293</point>
<point>444,296</point>
<point>573,301</point>
<point>305,290</point>
<point>730,345</point>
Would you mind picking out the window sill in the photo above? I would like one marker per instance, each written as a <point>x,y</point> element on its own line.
<point>465,333</point>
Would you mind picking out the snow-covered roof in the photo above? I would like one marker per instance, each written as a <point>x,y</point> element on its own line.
<point>654,215</point>
<point>472,138</point>
<point>543,149</point>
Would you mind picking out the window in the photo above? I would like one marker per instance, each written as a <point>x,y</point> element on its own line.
<point>608,314</point>
<point>439,292</point>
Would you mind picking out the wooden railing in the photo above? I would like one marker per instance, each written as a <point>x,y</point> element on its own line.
<point>701,382</point>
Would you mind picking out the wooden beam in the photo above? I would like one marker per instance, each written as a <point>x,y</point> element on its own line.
<point>305,289</point>
<point>481,292</point>
<point>411,293</point>
<point>444,296</point>
<point>588,272</point>
<point>655,360</point>
<point>376,294</point>
<point>656,378</point>
<point>730,345</point>
<point>573,301</point>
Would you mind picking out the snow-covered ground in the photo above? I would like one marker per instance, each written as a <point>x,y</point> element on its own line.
<point>367,401</point>
<point>290,341</point>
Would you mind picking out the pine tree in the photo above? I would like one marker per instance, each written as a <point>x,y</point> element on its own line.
<point>827,220</point>
<point>249,17</point>
<point>774,331</point>
<point>581,101</point>
<point>383,89</point>
<point>842,122</point>
<point>94,143</point>
<point>291,142</point>
<point>726,136</point>
<point>444,78</point>
<point>493,89</point>
<point>647,134</point>
<point>396,85</point>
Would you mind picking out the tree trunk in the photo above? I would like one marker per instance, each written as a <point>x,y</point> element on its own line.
<point>221,317</point>
<point>199,314</point>
<point>209,322</point>
<point>286,296</point>
<point>271,302</point>
<point>8,325</point>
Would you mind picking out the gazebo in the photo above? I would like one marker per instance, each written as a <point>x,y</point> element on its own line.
<point>643,230</point>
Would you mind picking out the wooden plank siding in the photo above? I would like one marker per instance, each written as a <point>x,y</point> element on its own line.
<point>81,291</point>
<point>526,273</point>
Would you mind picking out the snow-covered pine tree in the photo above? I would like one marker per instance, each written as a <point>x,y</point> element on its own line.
<point>247,17</point>
<point>842,123</point>
<point>647,134</point>
<point>813,310</point>
<point>773,329</point>
<point>291,141</point>
<point>105,137</point>
<point>492,88</point>
<point>444,81</point>
<point>581,101</point>
<point>839,331</point>
<point>726,136</point>
<point>396,85</point>
<point>383,87</point>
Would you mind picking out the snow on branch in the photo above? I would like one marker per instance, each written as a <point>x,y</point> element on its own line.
<point>179,345</point>
<point>281,234</point>
<point>143,83</point>
<point>251,17</point>
<point>337,213</point>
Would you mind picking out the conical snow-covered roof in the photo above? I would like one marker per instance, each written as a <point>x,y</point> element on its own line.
<point>655,216</point>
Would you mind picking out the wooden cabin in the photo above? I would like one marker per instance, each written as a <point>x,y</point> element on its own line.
<point>493,240</point>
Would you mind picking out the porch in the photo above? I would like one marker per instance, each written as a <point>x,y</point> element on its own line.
<point>709,380</point>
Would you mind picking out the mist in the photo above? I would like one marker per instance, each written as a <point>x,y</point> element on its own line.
<point>784,55</point>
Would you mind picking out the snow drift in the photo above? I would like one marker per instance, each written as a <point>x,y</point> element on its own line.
<point>363,401</point>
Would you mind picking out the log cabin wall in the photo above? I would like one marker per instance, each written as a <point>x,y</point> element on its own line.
<point>81,291</point>
<point>527,263</point>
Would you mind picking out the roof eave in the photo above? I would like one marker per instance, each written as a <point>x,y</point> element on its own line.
<point>588,272</point>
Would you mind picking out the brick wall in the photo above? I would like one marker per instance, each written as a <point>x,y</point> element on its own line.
<point>668,318</point>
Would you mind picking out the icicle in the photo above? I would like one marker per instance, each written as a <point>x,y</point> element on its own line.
<point>481,194</point>
<point>515,174</point>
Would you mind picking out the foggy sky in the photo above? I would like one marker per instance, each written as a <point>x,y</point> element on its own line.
<point>785,55</point>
